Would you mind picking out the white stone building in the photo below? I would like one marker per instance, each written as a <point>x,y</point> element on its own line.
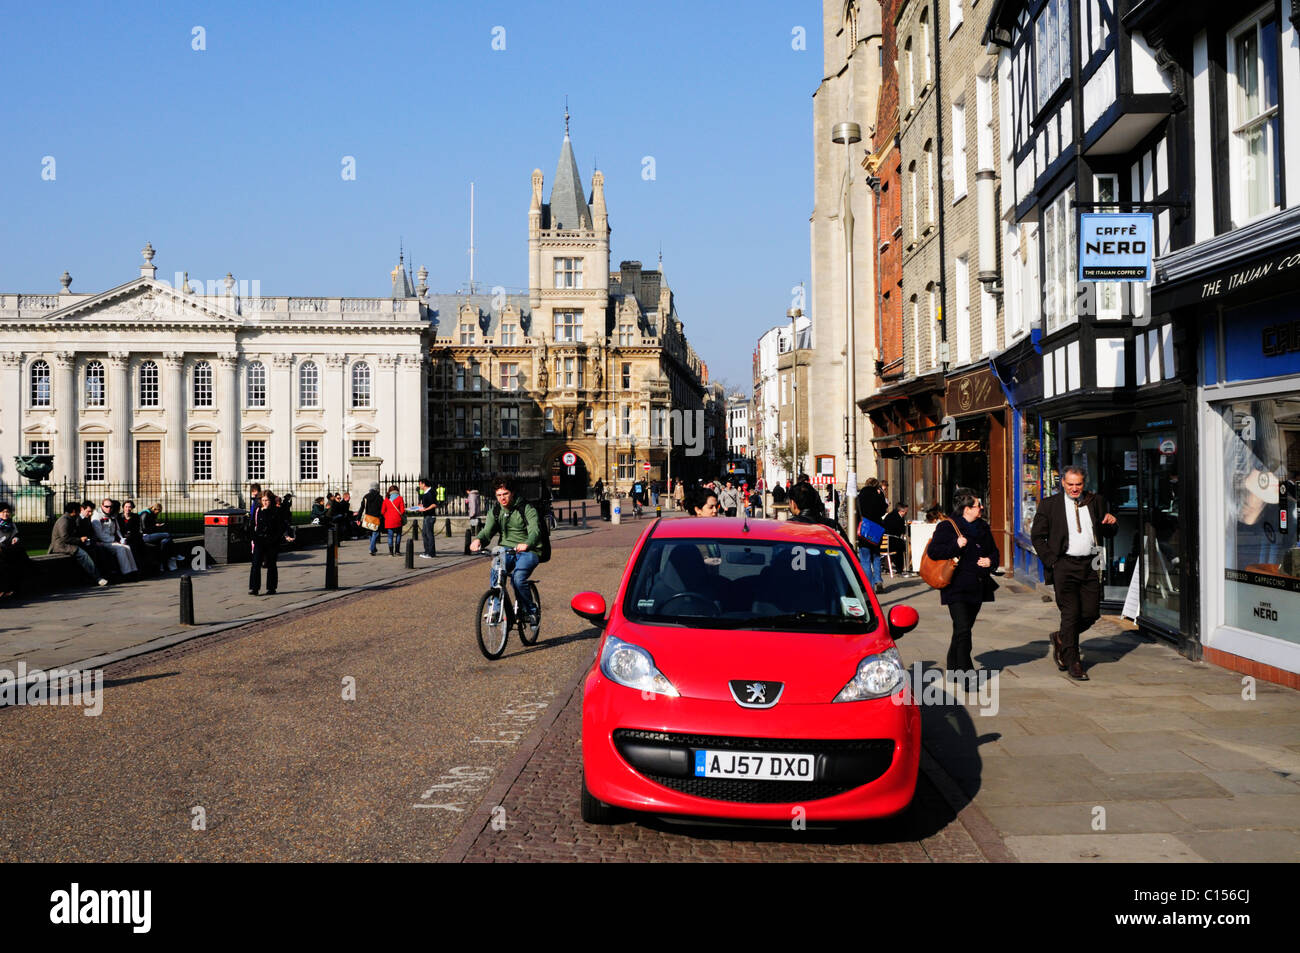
<point>146,385</point>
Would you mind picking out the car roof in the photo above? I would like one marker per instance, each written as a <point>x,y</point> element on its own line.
<point>731,527</point>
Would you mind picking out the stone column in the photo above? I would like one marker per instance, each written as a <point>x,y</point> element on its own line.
<point>282,396</point>
<point>336,399</point>
<point>65,416</point>
<point>11,410</point>
<point>173,401</point>
<point>388,416</point>
<point>228,397</point>
<point>411,435</point>
<point>119,415</point>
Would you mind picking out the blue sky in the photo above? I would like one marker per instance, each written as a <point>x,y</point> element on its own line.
<point>229,158</point>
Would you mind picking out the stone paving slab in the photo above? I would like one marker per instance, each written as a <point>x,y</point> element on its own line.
<point>1186,768</point>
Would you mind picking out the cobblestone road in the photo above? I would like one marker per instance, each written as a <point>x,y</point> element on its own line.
<point>538,820</point>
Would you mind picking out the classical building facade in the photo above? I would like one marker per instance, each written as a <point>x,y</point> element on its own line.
<point>149,384</point>
<point>590,362</point>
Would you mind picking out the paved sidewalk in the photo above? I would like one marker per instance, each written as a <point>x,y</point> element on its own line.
<point>1156,758</point>
<point>91,627</point>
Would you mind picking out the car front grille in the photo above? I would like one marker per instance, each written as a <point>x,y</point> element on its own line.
<point>841,765</point>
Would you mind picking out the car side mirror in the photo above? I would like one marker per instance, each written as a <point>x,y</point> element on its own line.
<point>590,606</point>
<point>902,620</point>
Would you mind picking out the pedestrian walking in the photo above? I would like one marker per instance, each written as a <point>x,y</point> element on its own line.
<point>394,512</point>
<point>267,536</point>
<point>372,514</point>
<point>1067,531</point>
<point>429,507</point>
<point>966,537</point>
<point>872,508</point>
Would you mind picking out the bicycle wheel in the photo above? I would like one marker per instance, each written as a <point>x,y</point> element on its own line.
<point>493,624</point>
<point>528,632</point>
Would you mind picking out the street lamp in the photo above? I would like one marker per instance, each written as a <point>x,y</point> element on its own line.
<point>848,133</point>
<point>485,453</point>
<point>794,314</point>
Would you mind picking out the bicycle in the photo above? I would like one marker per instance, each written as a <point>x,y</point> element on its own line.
<point>497,614</point>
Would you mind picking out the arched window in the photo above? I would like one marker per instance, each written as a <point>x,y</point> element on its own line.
<point>911,72</point>
<point>925,43</point>
<point>202,384</point>
<point>40,376</point>
<point>95,384</point>
<point>149,384</point>
<point>255,379</point>
<point>308,385</point>
<point>360,385</point>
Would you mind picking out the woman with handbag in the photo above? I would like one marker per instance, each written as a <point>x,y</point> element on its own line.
<point>872,507</point>
<point>372,514</point>
<point>966,541</point>
<point>394,510</point>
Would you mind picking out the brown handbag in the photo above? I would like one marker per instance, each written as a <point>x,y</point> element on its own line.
<point>937,573</point>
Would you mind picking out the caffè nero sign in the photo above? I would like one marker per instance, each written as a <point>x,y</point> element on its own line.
<point>1115,246</point>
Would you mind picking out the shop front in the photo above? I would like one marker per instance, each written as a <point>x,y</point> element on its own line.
<point>1238,291</point>
<point>976,407</point>
<point>1136,447</point>
<point>908,413</point>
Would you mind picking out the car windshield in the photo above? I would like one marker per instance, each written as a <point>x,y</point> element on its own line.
<point>749,584</point>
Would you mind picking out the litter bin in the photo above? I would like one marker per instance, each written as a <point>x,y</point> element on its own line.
<point>225,535</point>
<point>604,510</point>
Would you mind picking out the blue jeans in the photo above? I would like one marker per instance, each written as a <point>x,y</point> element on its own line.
<point>394,538</point>
<point>430,535</point>
<point>872,563</point>
<point>521,566</point>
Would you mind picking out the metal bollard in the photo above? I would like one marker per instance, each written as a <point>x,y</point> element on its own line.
<point>468,536</point>
<point>584,514</point>
<point>449,527</point>
<point>332,559</point>
<point>187,600</point>
<point>410,554</point>
<point>415,529</point>
<point>659,510</point>
<point>573,516</point>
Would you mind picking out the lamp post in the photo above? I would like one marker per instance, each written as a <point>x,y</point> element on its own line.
<point>848,133</point>
<point>794,314</point>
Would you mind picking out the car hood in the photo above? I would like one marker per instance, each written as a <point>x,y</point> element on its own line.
<point>812,666</point>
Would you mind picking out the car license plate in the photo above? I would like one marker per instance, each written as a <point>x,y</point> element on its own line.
<point>755,766</point>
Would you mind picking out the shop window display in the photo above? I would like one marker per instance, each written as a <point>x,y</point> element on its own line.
<point>1262,553</point>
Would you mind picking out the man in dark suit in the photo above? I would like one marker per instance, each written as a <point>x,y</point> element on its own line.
<point>1067,532</point>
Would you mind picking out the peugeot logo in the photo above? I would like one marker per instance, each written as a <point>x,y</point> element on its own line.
<point>755,693</point>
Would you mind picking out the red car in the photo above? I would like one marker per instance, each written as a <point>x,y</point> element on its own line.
<point>746,671</point>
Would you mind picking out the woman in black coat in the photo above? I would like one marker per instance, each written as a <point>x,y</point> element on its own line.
<point>267,532</point>
<point>873,506</point>
<point>968,539</point>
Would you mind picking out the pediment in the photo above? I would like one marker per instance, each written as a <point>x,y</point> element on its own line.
<point>309,428</point>
<point>256,429</point>
<point>94,428</point>
<point>146,301</point>
<point>201,428</point>
<point>44,427</point>
<point>360,427</point>
<point>148,427</point>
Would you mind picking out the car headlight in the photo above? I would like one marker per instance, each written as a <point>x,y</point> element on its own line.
<point>634,667</point>
<point>878,676</point>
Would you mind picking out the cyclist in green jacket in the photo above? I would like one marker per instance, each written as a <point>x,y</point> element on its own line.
<point>517,522</point>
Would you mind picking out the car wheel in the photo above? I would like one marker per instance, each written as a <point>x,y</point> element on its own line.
<point>595,811</point>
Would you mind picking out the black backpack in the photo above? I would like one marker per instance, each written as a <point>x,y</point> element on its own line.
<point>542,507</point>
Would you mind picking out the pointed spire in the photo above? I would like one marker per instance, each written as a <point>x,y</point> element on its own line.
<point>566,117</point>
<point>401,280</point>
<point>569,209</point>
